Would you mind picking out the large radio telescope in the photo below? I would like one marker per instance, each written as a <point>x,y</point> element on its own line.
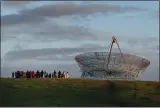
<point>111,65</point>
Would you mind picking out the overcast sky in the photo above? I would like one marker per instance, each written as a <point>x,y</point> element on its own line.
<point>48,35</point>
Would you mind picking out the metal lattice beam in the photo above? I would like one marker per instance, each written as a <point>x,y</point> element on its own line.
<point>111,65</point>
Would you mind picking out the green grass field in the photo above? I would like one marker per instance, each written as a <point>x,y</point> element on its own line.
<point>77,92</point>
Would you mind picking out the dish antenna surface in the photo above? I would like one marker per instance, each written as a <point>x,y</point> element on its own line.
<point>111,65</point>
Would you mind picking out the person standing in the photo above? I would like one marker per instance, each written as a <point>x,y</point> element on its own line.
<point>63,75</point>
<point>42,74</point>
<point>22,74</point>
<point>46,74</point>
<point>18,74</point>
<point>12,74</point>
<point>59,74</point>
<point>27,74</point>
<point>67,75</point>
<point>15,74</point>
<point>52,74</point>
<point>32,74</point>
<point>55,74</point>
<point>38,74</point>
<point>49,75</point>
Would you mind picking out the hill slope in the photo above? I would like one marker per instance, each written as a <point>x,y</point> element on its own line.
<point>78,92</point>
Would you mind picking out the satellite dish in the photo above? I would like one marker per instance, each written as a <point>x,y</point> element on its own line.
<point>112,65</point>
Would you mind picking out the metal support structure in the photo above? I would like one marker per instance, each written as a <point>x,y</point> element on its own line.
<point>114,40</point>
<point>100,65</point>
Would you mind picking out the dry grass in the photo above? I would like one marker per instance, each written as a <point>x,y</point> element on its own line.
<point>78,93</point>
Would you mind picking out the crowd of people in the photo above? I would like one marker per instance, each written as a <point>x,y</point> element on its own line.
<point>39,74</point>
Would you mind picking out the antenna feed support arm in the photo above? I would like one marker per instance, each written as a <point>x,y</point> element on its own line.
<point>114,40</point>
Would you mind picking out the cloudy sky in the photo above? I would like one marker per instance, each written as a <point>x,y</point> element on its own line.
<point>48,35</point>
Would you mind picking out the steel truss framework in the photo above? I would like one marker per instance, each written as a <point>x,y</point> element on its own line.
<point>111,65</point>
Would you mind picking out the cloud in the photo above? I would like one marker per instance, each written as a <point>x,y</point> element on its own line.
<point>39,14</point>
<point>149,43</point>
<point>55,31</point>
<point>15,3</point>
<point>46,53</point>
<point>138,47</point>
<point>37,23</point>
<point>66,55</point>
<point>14,19</point>
<point>50,30</point>
<point>156,14</point>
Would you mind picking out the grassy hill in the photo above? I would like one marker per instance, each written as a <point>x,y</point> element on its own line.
<point>77,92</point>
